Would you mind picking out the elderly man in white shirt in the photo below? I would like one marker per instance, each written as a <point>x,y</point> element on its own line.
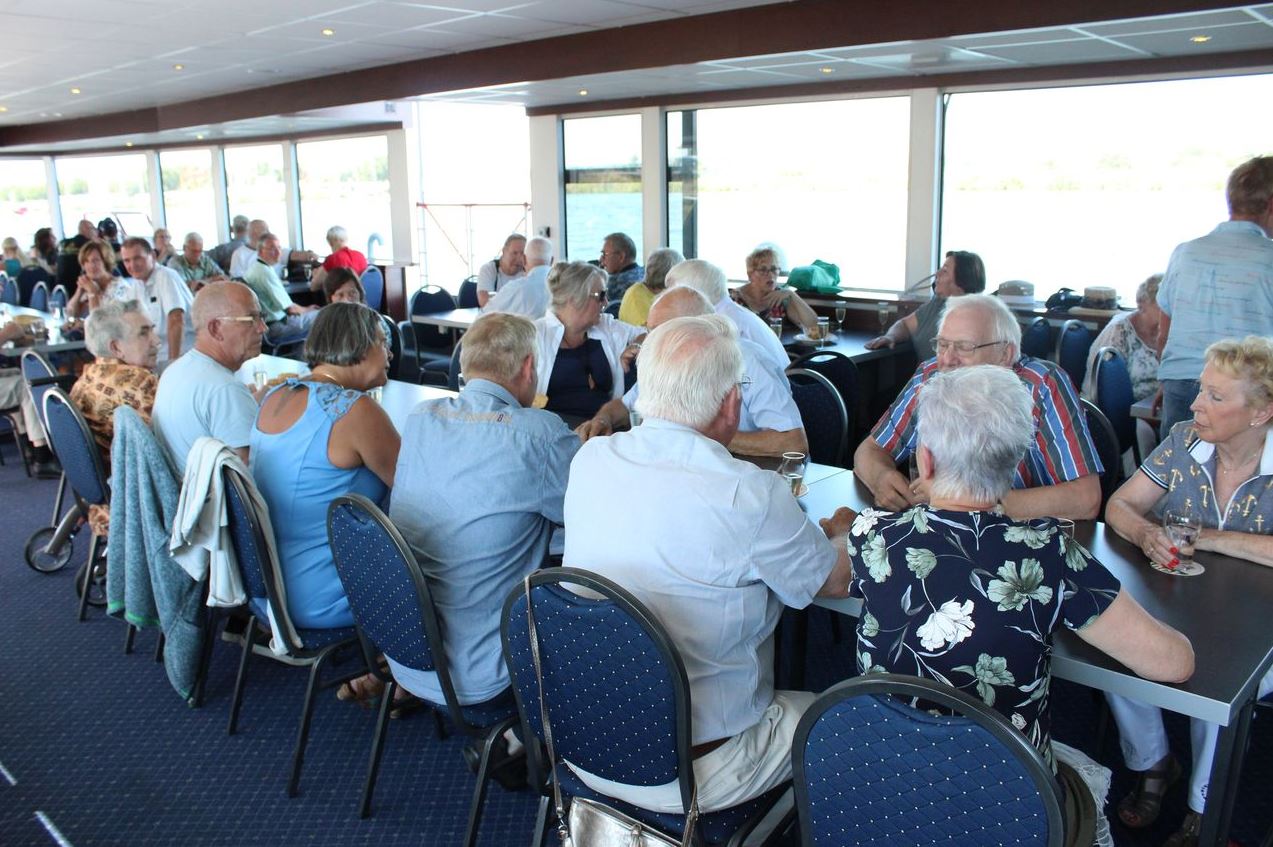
<point>526,295</point>
<point>769,422</point>
<point>246,254</point>
<point>700,530</point>
<point>709,280</point>
<point>163,294</point>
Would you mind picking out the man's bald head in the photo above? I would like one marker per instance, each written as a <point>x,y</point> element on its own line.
<point>220,300</point>
<point>682,302</point>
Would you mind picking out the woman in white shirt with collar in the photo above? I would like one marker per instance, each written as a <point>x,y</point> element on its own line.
<point>583,353</point>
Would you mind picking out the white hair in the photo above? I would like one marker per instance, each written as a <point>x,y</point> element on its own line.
<point>702,276</point>
<point>337,235</point>
<point>1003,324</point>
<point>978,422</point>
<point>539,249</point>
<point>193,236</point>
<point>107,323</point>
<point>687,366</point>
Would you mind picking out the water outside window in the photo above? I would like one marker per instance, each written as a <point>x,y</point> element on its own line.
<point>254,186</point>
<point>603,183</point>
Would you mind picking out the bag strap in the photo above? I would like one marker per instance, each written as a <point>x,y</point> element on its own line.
<point>563,829</point>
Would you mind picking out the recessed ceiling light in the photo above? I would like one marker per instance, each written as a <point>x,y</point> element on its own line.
<point>178,67</point>
<point>128,144</point>
<point>827,70</point>
<point>1200,39</point>
<point>75,91</point>
<point>199,136</point>
<point>57,114</point>
<point>583,92</point>
<point>328,31</point>
<point>4,108</point>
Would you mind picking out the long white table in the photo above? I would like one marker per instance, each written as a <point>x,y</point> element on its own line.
<point>53,343</point>
<point>1222,612</point>
<point>460,319</point>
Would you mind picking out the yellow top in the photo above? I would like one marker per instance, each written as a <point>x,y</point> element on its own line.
<point>636,304</point>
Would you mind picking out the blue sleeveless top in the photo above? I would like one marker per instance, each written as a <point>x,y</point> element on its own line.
<point>298,482</point>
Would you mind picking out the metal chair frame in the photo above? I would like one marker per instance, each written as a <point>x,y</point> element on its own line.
<point>1112,476</point>
<point>1073,365</point>
<point>803,377</point>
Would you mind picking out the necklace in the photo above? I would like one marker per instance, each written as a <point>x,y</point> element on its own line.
<point>1227,468</point>
<point>329,378</point>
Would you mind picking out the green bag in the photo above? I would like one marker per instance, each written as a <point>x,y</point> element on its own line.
<point>822,277</point>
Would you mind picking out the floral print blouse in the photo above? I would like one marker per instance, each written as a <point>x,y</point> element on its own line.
<point>104,386</point>
<point>970,599</point>
<point>1142,360</point>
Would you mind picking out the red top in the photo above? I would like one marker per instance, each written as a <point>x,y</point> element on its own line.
<point>346,258</point>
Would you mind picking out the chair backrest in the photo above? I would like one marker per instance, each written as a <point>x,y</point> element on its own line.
<point>388,594</point>
<point>467,297</point>
<point>40,297</point>
<point>1107,448</point>
<point>1113,390</point>
<point>251,550</point>
<point>612,309</point>
<point>28,277</point>
<point>871,769</point>
<point>842,373</point>
<point>58,297</point>
<point>825,418</point>
<point>1072,345</point>
<point>73,444</point>
<point>427,301</point>
<point>601,655</point>
<point>373,285</point>
<point>453,376</point>
<point>394,335</point>
<point>39,376</point>
<point>1036,339</point>
<point>9,293</point>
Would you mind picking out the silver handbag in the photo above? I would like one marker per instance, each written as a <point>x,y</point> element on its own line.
<point>589,823</point>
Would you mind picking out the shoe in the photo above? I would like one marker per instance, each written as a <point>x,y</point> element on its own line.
<point>1187,835</point>
<point>509,772</point>
<point>365,691</point>
<point>47,470</point>
<point>1141,806</point>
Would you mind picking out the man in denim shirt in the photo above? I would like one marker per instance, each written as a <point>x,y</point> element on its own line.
<point>478,491</point>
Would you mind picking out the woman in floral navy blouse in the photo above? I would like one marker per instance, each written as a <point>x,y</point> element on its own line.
<point>957,592</point>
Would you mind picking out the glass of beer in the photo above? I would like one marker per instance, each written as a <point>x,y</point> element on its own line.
<point>792,469</point>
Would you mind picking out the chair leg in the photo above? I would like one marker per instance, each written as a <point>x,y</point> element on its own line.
<point>377,748</point>
<point>307,714</point>
<point>483,778</point>
<point>439,725</point>
<point>57,501</point>
<point>540,834</point>
<point>205,658</point>
<point>159,648</point>
<point>237,700</point>
<point>128,639</point>
<point>88,576</point>
<point>17,442</point>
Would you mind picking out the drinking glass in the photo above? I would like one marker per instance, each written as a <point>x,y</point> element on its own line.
<point>376,394</point>
<point>883,313</point>
<point>792,470</point>
<point>824,331</point>
<point>1183,528</point>
<point>259,378</point>
<point>776,325</point>
<point>840,311</point>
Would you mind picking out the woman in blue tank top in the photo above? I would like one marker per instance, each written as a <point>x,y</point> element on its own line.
<point>317,438</point>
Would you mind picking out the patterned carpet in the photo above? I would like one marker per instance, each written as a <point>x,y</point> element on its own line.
<point>95,743</point>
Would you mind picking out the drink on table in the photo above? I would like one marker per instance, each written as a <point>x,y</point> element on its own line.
<point>840,311</point>
<point>1183,529</point>
<point>824,330</point>
<point>791,469</point>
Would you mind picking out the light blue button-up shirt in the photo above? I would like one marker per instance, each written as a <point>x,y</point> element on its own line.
<point>477,492</point>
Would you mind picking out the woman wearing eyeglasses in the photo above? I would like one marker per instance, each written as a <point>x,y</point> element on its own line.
<point>962,273</point>
<point>582,353</point>
<point>762,295</point>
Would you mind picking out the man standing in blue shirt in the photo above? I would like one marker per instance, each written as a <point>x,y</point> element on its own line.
<point>478,491</point>
<point>1218,286</point>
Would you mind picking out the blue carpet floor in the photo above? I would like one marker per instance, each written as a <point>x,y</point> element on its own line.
<point>95,743</point>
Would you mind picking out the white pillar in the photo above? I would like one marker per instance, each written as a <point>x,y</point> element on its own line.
<point>924,188</point>
<point>55,201</point>
<point>404,192</point>
<point>546,173</point>
<point>155,179</point>
<point>292,193</point>
<point>653,181</point>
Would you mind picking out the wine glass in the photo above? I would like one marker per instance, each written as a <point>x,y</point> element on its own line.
<point>1183,529</point>
<point>791,469</point>
<point>840,311</point>
<point>883,313</point>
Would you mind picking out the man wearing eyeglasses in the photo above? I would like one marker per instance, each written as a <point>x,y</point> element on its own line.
<point>199,394</point>
<point>619,260</point>
<point>1059,476</point>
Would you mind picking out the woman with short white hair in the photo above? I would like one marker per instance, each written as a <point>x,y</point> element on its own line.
<point>956,591</point>
<point>341,256</point>
<point>583,353</point>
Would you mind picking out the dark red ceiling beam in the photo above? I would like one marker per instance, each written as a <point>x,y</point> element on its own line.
<point>775,28</point>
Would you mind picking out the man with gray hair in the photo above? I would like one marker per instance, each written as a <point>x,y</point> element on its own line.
<point>222,253</point>
<point>495,274</point>
<point>1059,476</point>
<point>619,260</point>
<point>286,322</point>
<point>194,265</point>
<point>478,526</point>
<point>704,534</point>
<point>246,254</point>
<point>709,280</point>
<point>769,422</point>
<point>527,295</point>
<point>199,394</point>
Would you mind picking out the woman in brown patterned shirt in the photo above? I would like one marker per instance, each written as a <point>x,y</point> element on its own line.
<point>123,341</point>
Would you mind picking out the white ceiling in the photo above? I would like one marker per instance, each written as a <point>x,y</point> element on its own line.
<point>121,54</point>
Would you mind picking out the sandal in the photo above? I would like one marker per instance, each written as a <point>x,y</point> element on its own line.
<point>1141,806</point>
<point>365,691</point>
<point>1187,835</point>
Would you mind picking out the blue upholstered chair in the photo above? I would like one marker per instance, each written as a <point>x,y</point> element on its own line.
<point>373,284</point>
<point>825,417</point>
<point>432,345</point>
<point>1072,346</point>
<point>394,615</point>
<point>312,648</point>
<point>1113,390</point>
<point>1106,442</point>
<point>81,461</point>
<point>467,297</point>
<point>843,374</point>
<point>49,547</point>
<point>40,297</point>
<point>58,297</point>
<point>617,697</point>
<point>870,769</point>
<point>9,293</point>
<point>1036,339</point>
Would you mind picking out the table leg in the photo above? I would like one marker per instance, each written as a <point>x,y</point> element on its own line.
<point>1222,790</point>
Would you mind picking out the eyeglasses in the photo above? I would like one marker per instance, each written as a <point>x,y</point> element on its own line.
<point>963,348</point>
<point>599,296</point>
<point>767,269</point>
<point>744,382</point>
<point>253,318</point>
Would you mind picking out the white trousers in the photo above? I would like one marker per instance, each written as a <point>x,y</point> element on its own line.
<point>746,766</point>
<point>13,392</point>
<point>1144,740</point>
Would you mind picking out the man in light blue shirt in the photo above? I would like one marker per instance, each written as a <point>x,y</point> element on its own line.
<point>527,295</point>
<point>1217,286</point>
<point>479,489</point>
<point>769,422</point>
